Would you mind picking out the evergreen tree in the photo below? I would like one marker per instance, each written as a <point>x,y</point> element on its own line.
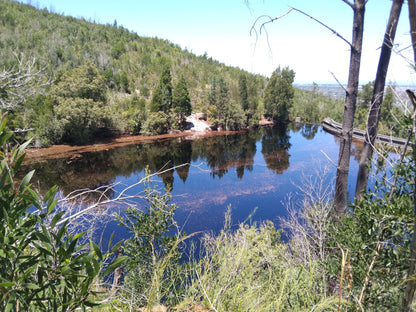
<point>242,87</point>
<point>223,97</point>
<point>212,95</point>
<point>162,96</point>
<point>279,93</point>
<point>181,101</point>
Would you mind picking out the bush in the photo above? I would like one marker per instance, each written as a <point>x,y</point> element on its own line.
<point>42,266</point>
<point>156,123</point>
<point>153,274</point>
<point>377,235</point>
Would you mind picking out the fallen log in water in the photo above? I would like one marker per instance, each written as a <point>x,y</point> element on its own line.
<point>335,128</point>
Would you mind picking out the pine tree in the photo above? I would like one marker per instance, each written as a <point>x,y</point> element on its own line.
<point>242,87</point>
<point>181,102</point>
<point>162,96</point>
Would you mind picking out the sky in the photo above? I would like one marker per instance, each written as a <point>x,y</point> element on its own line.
<point>230,31</point>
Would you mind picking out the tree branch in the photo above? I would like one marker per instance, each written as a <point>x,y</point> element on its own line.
<point>349,3</point>
<point>18,83</point>
<point>336,79</point>
<point>324,25</point>
<point>271,20</point>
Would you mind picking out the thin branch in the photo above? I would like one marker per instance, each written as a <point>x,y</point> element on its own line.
<point>349,3</point>
<point>336,79</point>
<point>324,25</point>
<point>262,26</point>
<point>122,196</point>
<point>329,159</point>
<point>271,20</point>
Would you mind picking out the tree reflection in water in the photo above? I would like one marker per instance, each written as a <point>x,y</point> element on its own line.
<point>220,154</point>
<point>275,148</point>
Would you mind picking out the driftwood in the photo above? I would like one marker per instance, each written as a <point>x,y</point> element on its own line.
<point>335,128</point>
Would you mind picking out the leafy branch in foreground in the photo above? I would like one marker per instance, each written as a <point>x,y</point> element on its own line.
<point>42,266</point>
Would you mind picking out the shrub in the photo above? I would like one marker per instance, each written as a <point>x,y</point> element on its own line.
<point>42,266</point>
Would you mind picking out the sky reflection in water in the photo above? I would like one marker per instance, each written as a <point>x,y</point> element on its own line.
<point>258,169</point>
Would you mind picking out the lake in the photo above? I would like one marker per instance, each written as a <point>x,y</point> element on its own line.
<point>257,170</point>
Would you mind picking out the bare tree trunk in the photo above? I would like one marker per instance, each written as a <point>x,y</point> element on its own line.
<point>376,101</point>
<point>341,184</point>
<point>412,18</point>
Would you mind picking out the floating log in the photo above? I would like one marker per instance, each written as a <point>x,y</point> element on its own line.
<point>335,128</point>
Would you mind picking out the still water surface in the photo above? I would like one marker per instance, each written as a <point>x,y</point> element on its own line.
<point>258,169</point>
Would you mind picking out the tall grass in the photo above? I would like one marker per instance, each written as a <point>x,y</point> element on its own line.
<point>251,269</point>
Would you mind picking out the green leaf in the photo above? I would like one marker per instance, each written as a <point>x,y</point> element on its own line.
<point>115,264</point>
<point>78,235</point>
<point>7,284</point>
<point>97,250</point>
<point>61,232</point>
<point>56,218</point>
<point>116,246</point>
<point>26,180</point>
<point>30,286</point>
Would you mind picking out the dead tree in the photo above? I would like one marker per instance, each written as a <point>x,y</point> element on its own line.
<point>377,99</point>
<point>20,82</point>
<point>341,183</point>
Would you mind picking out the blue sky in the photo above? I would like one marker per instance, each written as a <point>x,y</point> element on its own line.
<point>221,28</point>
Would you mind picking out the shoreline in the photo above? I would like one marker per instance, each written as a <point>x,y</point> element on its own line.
<point>37,155</point>
<point>200,129</point>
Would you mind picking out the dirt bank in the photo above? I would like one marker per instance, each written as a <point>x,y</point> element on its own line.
<point>34,155</point>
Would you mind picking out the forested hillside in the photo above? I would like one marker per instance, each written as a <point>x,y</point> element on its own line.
<point>126,67</point>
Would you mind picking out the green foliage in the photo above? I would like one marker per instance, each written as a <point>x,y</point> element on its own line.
<point>153,251</point>
<point>390,115</point>
<point>181,101</point>
<point>242,88</point>
<point>279,93</point>
<point>233,117</point>
<point>377,234</point>
<point>156,123</point>
<point>222,110</point>
<point>42,266</point>
<point>80,103</point>
<point>252,270</point>
<point>162,96</point>
<point>129,63</point>
<point>313,107</point>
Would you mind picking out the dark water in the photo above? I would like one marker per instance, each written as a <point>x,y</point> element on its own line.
<point>258,170</point>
